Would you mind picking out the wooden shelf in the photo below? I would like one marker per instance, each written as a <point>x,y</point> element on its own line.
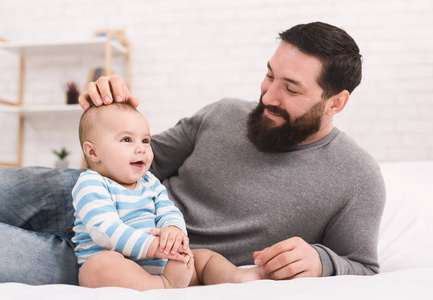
<point>42,108</point>
<point>93,47</point>
<point>106,44</point>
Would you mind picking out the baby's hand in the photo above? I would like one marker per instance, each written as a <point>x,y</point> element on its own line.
<point>154,251</point>
<point>172,240</point>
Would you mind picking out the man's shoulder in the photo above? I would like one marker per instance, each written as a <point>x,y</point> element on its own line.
<point>231,105</point>
<point>359,170</point>
<point>236,103</point>
<point>226,109</point>
<point>354,156</point>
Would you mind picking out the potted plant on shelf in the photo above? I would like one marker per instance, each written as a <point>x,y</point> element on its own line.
<point>61,161</point>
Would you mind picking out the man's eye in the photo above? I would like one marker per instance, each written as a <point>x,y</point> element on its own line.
<point>291,91</point>
<point>269,76</point>
<point>127,140</point>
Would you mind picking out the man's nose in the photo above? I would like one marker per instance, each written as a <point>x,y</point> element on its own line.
<point>271,95</point>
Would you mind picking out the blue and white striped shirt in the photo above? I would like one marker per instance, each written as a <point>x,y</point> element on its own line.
<point>110,216</point>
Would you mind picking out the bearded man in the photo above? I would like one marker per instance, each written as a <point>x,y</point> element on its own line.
<point>274,183</point>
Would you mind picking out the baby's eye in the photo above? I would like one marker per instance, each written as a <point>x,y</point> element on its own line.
<point>127,140</point>
<point>145,141</point>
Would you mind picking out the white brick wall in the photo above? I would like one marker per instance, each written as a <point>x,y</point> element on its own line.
<point>188,53</point>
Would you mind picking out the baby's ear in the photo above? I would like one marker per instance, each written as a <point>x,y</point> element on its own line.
<point>89,150</point>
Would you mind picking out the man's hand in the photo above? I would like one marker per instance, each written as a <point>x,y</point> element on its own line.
<point>289,259</point>
<point>172,240</point>
<point>104,91</point>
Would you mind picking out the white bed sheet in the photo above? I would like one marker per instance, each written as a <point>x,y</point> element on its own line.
<point>405,253</point>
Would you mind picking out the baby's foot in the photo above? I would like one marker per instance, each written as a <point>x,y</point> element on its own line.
<point>178,274</point>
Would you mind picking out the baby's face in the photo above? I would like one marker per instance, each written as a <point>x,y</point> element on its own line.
<point>123,147</point>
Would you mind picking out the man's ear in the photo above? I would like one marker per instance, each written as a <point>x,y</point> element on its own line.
<point>90,152</point>
<point>337,102</point>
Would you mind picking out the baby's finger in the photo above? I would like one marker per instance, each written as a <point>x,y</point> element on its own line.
<point>155,231</point>
<point>169,244</point>
<point>163,242</point>
<point>179,257</point>
<point>176,245</point>
<point>185,242</point>
<point>188,252</point>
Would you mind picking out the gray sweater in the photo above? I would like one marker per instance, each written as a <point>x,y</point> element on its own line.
<point>237,200</point>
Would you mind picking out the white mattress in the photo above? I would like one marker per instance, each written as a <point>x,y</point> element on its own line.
<point>405,254</point>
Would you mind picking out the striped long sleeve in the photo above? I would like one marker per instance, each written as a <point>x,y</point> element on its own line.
<point>109,216</point>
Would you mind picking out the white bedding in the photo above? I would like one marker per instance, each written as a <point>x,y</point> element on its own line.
<point>405,254</point>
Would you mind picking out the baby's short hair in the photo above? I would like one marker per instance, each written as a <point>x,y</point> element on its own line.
<point>93,116</point>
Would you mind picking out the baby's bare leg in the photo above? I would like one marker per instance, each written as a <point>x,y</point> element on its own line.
<point>110,268</point>
<point>177,274</point>
<point>213,268</point>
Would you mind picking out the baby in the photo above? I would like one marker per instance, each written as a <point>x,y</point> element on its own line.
<point>127,231</point>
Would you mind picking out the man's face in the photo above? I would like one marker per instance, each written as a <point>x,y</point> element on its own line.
<point>291,107</point>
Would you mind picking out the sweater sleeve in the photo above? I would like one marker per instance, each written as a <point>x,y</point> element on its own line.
<point>172,147</point>
<point>167,214</point>
<point>350,239</point>
<point>97,216</point>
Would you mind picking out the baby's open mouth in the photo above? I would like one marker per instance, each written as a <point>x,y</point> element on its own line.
<point>137,164</point>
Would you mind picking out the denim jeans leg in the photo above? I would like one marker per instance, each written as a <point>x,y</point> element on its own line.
<point>36,258</point>
<point>37,198</point>
<point>35,208</point>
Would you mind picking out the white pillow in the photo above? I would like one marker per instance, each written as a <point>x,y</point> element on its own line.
<point>405,236</point>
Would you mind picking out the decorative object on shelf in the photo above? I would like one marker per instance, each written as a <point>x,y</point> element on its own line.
<point>61,162</point>
<point>94,74</point>
<point>105,44</point>
<point>72,92</point>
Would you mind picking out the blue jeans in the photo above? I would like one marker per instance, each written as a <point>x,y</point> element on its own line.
<point>36,219</point>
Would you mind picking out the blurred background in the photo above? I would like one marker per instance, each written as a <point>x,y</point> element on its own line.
<point>185,54</point>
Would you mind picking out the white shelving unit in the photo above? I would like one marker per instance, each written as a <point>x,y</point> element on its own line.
<point>111,44</point>
<point>93,46</point>
<point>41,108</point>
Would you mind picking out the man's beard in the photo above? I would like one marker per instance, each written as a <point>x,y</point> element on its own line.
<point>269,138</point>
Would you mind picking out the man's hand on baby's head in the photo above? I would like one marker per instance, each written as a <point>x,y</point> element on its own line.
<point>106,90</point>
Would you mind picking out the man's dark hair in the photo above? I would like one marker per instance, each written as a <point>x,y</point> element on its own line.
<point>337,51</point>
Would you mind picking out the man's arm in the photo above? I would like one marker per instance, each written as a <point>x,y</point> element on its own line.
<point>172,147</point>
<point>349,244</point>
